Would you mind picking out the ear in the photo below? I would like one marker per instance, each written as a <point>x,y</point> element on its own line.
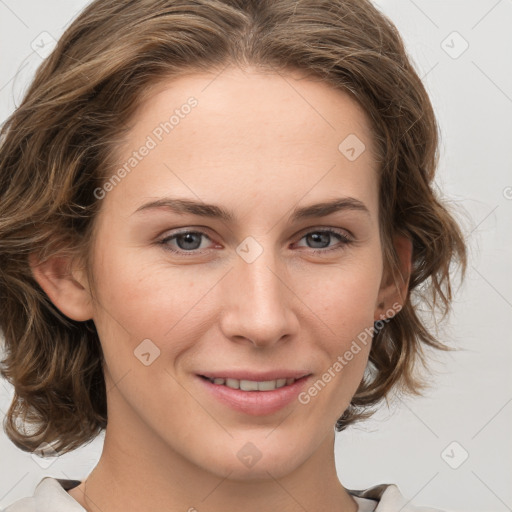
<point>393,290</point>
<point>65,286</point>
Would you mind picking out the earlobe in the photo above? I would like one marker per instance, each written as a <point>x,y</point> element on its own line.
<point>67,293</point>
<point>394,289</point>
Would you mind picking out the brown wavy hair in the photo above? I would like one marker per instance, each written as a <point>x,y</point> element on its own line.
<point>57,148</point>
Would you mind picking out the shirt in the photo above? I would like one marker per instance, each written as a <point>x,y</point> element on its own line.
<point>50,495</point>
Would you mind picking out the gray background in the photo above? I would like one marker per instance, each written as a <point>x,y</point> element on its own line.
<point>419,444</point>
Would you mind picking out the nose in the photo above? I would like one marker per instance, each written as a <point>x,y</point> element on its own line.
<point>258,303</point>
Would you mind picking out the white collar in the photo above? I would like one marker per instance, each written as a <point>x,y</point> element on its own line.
<point>51,495</point>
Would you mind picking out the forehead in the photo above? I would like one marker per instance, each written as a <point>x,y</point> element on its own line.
<point>246,132</point>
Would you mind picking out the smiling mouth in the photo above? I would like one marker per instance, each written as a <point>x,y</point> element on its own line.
<point>251,385</point>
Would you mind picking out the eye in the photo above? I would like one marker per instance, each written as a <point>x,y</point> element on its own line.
<point>186,242</point>
<point>191,242</point>
<point>321,238</point>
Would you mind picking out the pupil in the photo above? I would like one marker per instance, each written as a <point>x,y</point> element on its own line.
<point>189,239</point>
<point>319,238</point>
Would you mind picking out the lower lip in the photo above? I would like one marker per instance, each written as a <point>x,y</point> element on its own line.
<point>256,403</point>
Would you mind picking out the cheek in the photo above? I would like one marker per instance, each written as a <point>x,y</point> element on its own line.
<point>343,297</point>
<point>139,300</point>
<point>344,300</point>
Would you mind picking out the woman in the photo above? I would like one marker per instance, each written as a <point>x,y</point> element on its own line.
<point>217,217</point>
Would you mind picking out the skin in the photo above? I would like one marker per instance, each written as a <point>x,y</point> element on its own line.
<point>259,144</point>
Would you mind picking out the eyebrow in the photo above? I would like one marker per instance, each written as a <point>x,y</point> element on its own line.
<point>184,206</point>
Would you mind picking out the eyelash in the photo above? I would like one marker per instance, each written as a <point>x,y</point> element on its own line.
<point>344,239</point>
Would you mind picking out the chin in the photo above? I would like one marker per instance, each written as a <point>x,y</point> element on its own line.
<point>259,459</point>
<point>272,466</point>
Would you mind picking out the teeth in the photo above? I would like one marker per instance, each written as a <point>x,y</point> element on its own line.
<point>268,385</point>
<point>233,383</point>
<point>248,385</point>
<point>252,385</point>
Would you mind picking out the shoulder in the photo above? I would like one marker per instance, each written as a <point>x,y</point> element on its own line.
<point>49,496</point>
<point>387,498</point>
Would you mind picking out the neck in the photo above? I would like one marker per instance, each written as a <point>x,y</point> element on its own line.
<point>139,471</point>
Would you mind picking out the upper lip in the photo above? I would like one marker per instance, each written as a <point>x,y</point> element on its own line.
<point>256,376</point>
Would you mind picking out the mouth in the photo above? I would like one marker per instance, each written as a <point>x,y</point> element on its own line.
<point>251,385</point>
<point>260,395</point>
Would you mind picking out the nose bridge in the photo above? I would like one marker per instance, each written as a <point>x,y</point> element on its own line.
<point>257,302</point>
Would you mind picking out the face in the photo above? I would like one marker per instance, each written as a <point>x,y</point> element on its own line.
<point>211,263</point>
